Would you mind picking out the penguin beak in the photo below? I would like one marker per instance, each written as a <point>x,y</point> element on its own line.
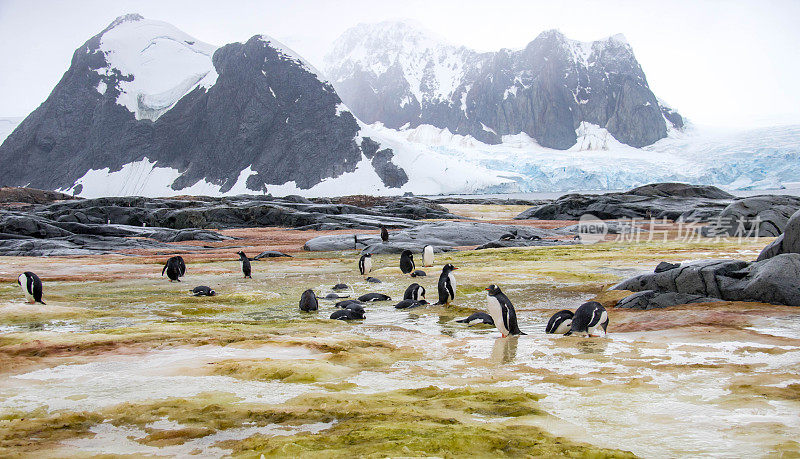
<point>487,289</point>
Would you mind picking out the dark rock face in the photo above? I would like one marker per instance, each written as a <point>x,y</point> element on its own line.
<point>762,216</point>
<point>772,280</point>
<point>673,201</point>
<point>544,90</point>
<point>443,236</point>
<point>788,242</point>
<point>650,299</point>
<point>266,111</point>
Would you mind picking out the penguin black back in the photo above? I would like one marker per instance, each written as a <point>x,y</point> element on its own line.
<point>589,318</point>
<point>175,268</point>
<point>560,323</point>
<point>447,284</point>
<point>502,311</point>
<point>308,301</point>
<point>246,269</point>
<point>482,316</point>
<point>406,261</point>
<point>384,234</point>
<point>348,314</point>
<point>414,292</point>
<point>202,290</point>
<point>31,287</point>
<point>374,297</point>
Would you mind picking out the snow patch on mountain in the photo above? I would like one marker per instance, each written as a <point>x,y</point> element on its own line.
<point>163,63</point>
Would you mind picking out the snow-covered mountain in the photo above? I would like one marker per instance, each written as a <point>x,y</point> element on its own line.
<point>403,76</point>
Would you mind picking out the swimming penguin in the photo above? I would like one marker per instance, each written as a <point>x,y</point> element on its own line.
<point>384,234</point>
<point>589,318</point>
<point>418,273</point>
<point>348,314</point>
<point>245,264</point>
<point>333,296</point>
<point>482,316</point>
<point>560,323</point>
<point>414,292</point>
<point>447,284</point>
<point>308,301</point>
<point>31,287</point>
<point>202,290</point>
<point>427,255</point>
<point>373,297</point>
<point>365,264</point>
<point>345,303</point>
<point>406,261</point>
<point>374,280</point>
<point>502,311</point>
<point>356,306</point>
<point>410,303</point>
<point>175,268</point>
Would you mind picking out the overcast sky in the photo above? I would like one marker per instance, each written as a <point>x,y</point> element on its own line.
<point>717,62</point>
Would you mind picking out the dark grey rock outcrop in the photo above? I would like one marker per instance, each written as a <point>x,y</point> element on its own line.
<point>673,201</point>
<point>756,216</point>
<point>651,299</point>
<point>788,242</point>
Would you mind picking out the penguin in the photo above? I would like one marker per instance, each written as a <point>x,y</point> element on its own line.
<point>502,311</point>
<point>245,265</point>
<point>340,287</point>
<point>202,290</point>
<point>560,323</point>
<point>31,287</point>
<point>308,301</point>
<point>427,255</point>
<point>333,296</point>
<point>365,264</point>
<point>482,316</point>
<point>345,303</point>
<point>418,273</point>
<point>374,280</point>
<point>406,262</point>
<point>589,319</point>
<point>384,234</point>
<point>447,284</point>
<point>414,292</point>
<point>348,314</point>
<point>410,303</point>
<point>175,268</point>
<point>373,297</point>
<point>357,307</point>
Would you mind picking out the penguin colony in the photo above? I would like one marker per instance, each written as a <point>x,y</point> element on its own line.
<point>590,319</point>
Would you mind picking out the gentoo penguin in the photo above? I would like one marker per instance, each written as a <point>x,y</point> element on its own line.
<point>308,301</point>
<point>589,318</point>
<point>373,297</point>
<point>333,296</point>
<point>447,284</point>
<point>427,255</point>
<point>348,314</point>
<point>409,303</point>
<point>406,261</point>
<point>502,311</point>
<point>351,304</point>
<point>344,303</point>
<point>31,287</point>
<point>560,323</point>
<point>340,287</point>
<point>365,264</point>
<point>175,268</point>
<point>374,280</point>
<point>245,265</point>
<point>202,290</point>
<point>482,316</point>
<point>418,273</point>
<point>384,234</point>
<point>414,292</point>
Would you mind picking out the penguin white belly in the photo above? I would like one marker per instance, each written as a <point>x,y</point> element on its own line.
<point>496,311</point>
<point>23,282</point>
<point>597,330</point>
<point>427,256</point>
<point>453,284</point>
<point>563,327</point>
<point>367,265</point>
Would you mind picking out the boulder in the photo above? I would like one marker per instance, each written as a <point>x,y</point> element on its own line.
<point>788,242</point>
<point>761,216</point>
<point>651,299</point>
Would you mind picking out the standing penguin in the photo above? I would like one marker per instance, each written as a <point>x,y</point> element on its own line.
<point>406,261</point>
<point>414,292</point>
<point>502,311</point>
<point>560,323</point>
<point>589,319</point>
<point>175,268</point>
<point>31,287</point>
<point>365,264</point>
<point>245,264</point>
<point>447,284</point>
<point>384,234</point>
<point>427,255</point>
<point>308,301</point>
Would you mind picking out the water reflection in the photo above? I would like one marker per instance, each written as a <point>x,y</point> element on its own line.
<point>504,350</point>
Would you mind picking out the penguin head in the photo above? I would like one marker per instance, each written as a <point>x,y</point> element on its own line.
<point>241,254</point>
<point>448,267</point>
<point>211,293</point>
<point>407,253</point>
<point>493,290</point>
<point>368,255</point>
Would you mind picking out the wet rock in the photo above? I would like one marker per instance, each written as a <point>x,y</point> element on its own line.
<point>761,216</point>
<point>788,242</point>
<point>666,266</point>
<point>650,299</point>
